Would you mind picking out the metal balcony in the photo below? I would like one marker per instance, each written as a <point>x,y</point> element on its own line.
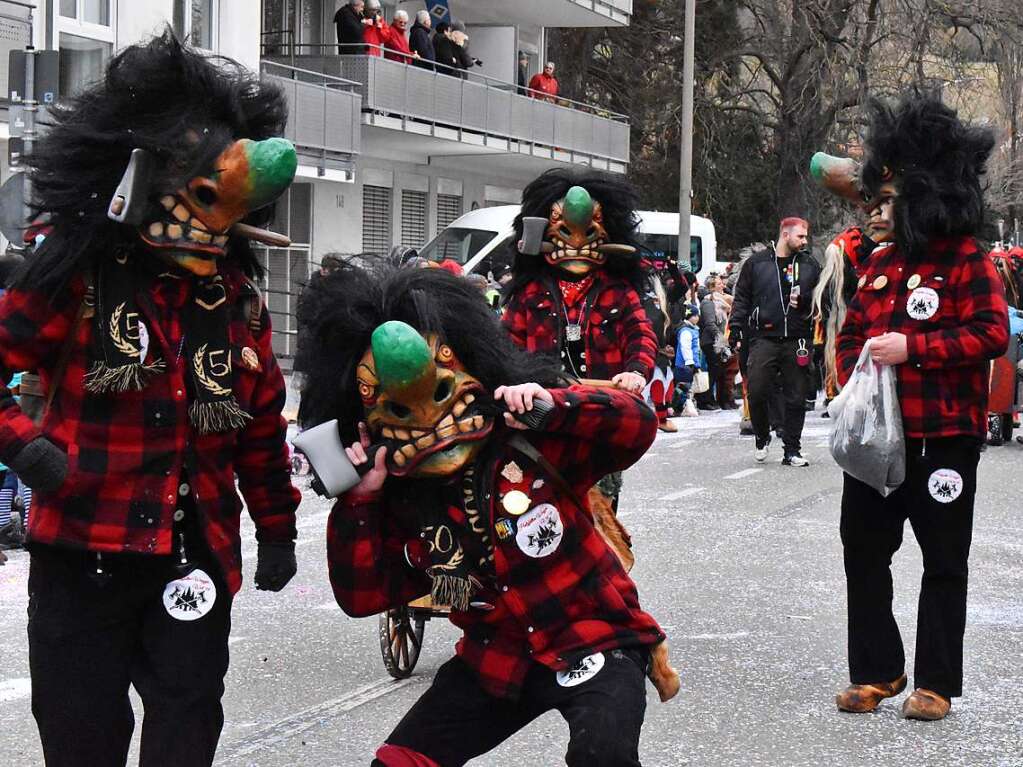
<point>478,110</point>
<point>324,114</point>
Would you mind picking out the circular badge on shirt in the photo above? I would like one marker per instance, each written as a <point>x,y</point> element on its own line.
<point>922,303</point>
<point>538,532</point>
<point>585,669</point>
<point>189,598</point>
<point>945,485</point>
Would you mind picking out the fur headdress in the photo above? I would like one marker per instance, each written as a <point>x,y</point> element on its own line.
<point>338,314</point>
<point>180,105</point>
<point>618,200</point>
<point>936,162</point>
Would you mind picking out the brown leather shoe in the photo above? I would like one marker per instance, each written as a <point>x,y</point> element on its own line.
<point>667,426</point>
<point>863,698</point>
<point>927,705</point>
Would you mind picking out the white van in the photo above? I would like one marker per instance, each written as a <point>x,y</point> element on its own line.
<point>473,238</point>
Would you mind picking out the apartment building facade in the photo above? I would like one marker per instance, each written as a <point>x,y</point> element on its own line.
<point>389,153</point>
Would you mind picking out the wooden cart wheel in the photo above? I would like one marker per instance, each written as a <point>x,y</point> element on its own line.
<point>401,639</point>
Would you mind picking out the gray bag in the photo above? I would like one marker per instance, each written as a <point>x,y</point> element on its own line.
<point>867,439</point>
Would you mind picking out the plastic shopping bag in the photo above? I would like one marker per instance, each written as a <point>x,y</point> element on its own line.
<point>867,439</point>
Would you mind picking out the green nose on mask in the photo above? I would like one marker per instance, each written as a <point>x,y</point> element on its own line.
<point>402,356</point>
<point>578,207</point>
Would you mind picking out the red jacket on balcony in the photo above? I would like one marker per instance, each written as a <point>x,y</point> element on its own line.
<point>397,46</point>
<point>546,84</point>
<point>376,36</point>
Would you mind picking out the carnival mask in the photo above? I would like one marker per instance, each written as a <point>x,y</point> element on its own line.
<point>194,222</point>
<point>576,239</point>
<point>838,175</point>
<point>418,399</point>
<point>881,220</point>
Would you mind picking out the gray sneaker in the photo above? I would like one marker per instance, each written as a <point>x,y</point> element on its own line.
<point>760,454</point>
<point>794,459</point>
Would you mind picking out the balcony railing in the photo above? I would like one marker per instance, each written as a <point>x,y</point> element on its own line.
<point>324,113</point>
<point>470,103</point>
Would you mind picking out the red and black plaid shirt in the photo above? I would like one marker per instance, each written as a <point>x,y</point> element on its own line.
<point>551,609</point>
<point>127,452</point>
<point>618,336</point>
<point>943,386</point>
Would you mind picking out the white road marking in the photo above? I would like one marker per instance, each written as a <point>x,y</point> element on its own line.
<point>744,473</point>
<point>733,635</point>
<point>15,689</point>
<point>289,727</point>
<point>327,606</point>
<point>682,494</point>
<point>235,640</point>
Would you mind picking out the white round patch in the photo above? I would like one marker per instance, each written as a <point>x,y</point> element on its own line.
<point>190,597</point>
<point>945,485</point>
<point>539,531</point>
<point>922,303</point>
<point>143,341</point>
<point>585,669</point>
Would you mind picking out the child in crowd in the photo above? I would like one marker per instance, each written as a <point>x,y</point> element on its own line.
<point>688,360</point>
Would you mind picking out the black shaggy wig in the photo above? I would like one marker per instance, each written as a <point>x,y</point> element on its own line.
<point>338,313</point>
<point>937,162</point>
<point>182,106</point>
<point>619,202</point>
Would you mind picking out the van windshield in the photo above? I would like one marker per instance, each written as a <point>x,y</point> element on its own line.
<point>457,244</point>
<point>664,247</point>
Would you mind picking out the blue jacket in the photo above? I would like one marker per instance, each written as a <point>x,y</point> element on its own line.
<point>687,347</point>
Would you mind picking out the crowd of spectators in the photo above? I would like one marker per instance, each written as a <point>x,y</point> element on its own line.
<point>362,30</point>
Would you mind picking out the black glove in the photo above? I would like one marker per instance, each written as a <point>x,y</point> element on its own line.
<point>275,565</point>
<point>41,465</point>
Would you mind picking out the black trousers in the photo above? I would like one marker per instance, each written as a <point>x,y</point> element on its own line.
<point>769,358</point>
<point>937,499</point>
<point>714,369</point>
<point>456,720</point>
<point>91,637</point>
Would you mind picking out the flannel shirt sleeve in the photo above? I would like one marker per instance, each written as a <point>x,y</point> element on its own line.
<point>366,558</point>
<point>983,330</point>
<point>514,320</point>
<point>33,329</point>
<point>850,341</point>
<point>602,430</point>
<point>640,340</point>
<point>262,462</point>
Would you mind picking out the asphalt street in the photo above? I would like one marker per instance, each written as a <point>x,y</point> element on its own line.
<point>740,563</point>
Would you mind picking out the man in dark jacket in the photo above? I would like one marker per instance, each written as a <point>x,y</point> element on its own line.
<point>420,42</point>
<point>711,333</point>
<point>349,23</point>
<point>771,313</point>
<point>444,50</point>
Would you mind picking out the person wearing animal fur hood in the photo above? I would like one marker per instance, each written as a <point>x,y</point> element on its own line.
<point>155,347</point>
<point>480,458</point>
<point>932,306</point>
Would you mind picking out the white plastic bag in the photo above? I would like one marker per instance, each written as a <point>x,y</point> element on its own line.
<point>867,439</point>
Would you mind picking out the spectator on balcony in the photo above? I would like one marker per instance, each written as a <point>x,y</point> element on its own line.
<point>350,23</point>
<point>376,32</point>
<point>444,50</point>
<point>420,42</point>
<point>397,44</point>
<point>523,73</point>
<point>544,85</point>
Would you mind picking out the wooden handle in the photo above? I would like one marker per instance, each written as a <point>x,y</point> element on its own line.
<point>599,383</point>
<point>264,236</point>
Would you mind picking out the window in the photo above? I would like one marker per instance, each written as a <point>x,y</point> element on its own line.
<point>86,11</point>
<point>82,60</point>
<point>287,269</point>
<point>376,219</point>
<point>85,39</point>
<point>413,218</point>
<point>196,20</point>
<point>665,247</point>
<point>449,207</point>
